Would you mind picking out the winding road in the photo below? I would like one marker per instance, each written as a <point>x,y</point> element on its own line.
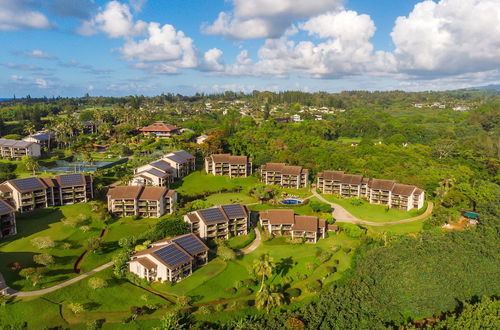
<point>340,214</point>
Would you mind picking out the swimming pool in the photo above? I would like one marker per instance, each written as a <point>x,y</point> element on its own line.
<point>291,201</point>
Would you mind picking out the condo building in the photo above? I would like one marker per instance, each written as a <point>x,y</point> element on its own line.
<point>226,164</point>
<point>219,222</point>
<point>284,175</point>
<point>158,173</point>
<point>182,163</point>
<point>142,201</point>
<point>376,191</point>
<point>33,193</point>
<point>7,220</point>
<point>284,222</point>
<point>16,150</point>
<point>170,259</point>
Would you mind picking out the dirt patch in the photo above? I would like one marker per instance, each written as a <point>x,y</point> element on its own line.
<point>461,224</point>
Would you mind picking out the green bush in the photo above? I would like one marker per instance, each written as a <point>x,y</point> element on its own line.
<point>314,286</point>
<point>249,282</point>
<point>231,290</point>
<point>317,206</point>
<point>356,201</point>
<point>293,292</point>
<point>245,291</point>
<point>352,230</point>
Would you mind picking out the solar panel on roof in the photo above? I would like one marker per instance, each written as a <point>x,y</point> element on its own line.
<point>211,215</point>
<point>71,179</point>
<point>4,207</point>
<point>157,173</point>
<point>176,158</point>
<point>28,184</point>
<point>189,243</point>
<point>171,255</point>
<point>234,211</point>
<point>183,154</point>
<point>162,165</point>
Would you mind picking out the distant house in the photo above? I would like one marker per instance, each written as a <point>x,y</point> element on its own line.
<point>285,222</point>
<point>461,108</point>
<point>16,150</point>
<point>146,202</point>
<point>161,129</point>
<point>182,162</point>
<point>7,220</point>
<point>226,164</point>
<point>282,120</point>
<point>219,222</point>
<point>170,259</point>
<point>201,139</point>
<point>376,191</point>
<point>44,139</point>
<point>284,175</point>
<point>296,118</point>
<point>88,127</point>
<point>33,193</point>
<point>472,217</point>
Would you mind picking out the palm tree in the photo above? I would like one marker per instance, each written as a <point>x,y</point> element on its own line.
<point>263,267</point>
<point>268,298</point>
<point>31,164</point>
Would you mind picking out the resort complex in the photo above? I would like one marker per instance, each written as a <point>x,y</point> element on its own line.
<point>284,175</point>
<point>141,201</point>
<point>182,163</point>
<point>219,222</point>
<point>376,191</point>
<point>226,164</point>
<point>170,260</point>
<point>285,222</point>
<point>33,193</point>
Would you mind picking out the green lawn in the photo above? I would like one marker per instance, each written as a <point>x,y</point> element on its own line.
<point>46,223</point>
<point>230,198</point>
<point>121,228</point>
<point>211,282</point>
<point>404,228</point>
<point>240,242</point>
<point>373,212</point>
<point>111,303</point>
<point>199,183</point>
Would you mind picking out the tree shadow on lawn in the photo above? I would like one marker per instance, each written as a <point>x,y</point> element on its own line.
<point>284,265</point>
<point>34,222</point>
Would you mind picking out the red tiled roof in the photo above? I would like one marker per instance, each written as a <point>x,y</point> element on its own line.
<point>278,216</point>
<point>403,189</point>
<point>331,175</point>
<point>351,179</point>
<point>306,223</point>
<point>159,126</point>
<point>378,184</point>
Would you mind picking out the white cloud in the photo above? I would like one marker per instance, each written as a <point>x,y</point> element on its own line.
<point>448,37</point>
<point>37,53</point>
<point>137,4</point>
<point>30,81</point>
<point>346,50</point>
<point>212,60</point>
<point>115,20</point>
<point>264,18</point>
<point>164,44</point>
<point>18,14</point>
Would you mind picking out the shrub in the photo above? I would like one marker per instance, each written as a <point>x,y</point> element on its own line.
<point>347,250</point>
<point>206,310</point>
<point>353,231</point>
<point>93,244</point>
<point>336,248</point>
<point>231,290</point>
<point>238,284</point>
<point>356,201</point>
<point>42,242</point>
<point>220,307</point>
<point>294,324</point>
<point>226,253</point>
<point>250,282</point>
<point>85,228</point>
<point>317,206</point>
<point>127,242</point>
<point>324,257</point>
<point>311,266</point>
<point>97,283</point>
<point>293,292</point>
<point>245,291</point>
<point>43,259</point>
<point>66,246</point>
<point>76,307</point>
<point>184,300</point>
<point>314,286</point>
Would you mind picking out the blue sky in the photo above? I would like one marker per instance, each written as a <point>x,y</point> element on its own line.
<point>149,47</point>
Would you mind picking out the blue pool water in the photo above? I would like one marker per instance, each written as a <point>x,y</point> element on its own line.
<point>67,167</point>
<point>291,201</point>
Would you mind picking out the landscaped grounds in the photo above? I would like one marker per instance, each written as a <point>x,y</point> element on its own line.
<point>372,212</point>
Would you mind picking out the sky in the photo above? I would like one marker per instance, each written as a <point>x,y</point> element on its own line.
<point>148,47</point>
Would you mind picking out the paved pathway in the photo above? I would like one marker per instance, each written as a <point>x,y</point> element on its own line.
<point>340,214</point>
<point>15,293</point>
<point>255,244</point>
